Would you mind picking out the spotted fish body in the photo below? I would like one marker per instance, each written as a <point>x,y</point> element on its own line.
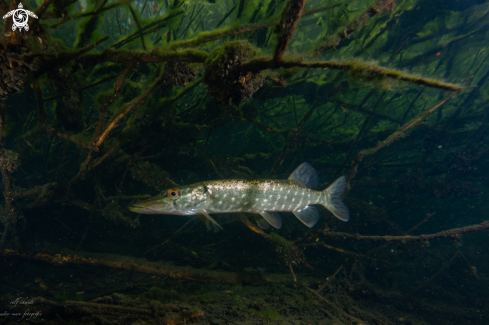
<point>261,197</point>
<point>255,196</point>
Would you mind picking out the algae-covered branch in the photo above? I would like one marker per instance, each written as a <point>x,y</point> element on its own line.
<point>104,103</point>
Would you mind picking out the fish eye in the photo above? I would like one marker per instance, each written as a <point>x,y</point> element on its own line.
<point>173,193</point>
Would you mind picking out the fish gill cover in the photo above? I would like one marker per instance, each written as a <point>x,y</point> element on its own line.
<point>106,103</point>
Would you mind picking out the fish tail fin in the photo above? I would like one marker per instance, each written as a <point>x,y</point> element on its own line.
<point>332,200</point>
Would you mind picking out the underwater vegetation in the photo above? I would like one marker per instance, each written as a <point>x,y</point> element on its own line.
<point>107,103</point>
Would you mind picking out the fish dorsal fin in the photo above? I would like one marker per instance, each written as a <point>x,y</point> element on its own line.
<point>261,222</point>
<point>308,216</point>
<point>306,175</point>
<point>214,222</point>
<point>273,218</point>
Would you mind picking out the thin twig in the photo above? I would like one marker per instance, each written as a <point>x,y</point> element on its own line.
<point>205,37</point>
<point>451,233</point>
<point>91,13</point>
<point>444,266</point>
<point>114,122</point>
<point>292,272</point>
<point>138,26</point>
<point>329,279</point>
<point>169,238</point>
<point>362,154</point>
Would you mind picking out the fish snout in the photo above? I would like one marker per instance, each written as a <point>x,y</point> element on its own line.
<point>151,207</point>
<point>139,209</point>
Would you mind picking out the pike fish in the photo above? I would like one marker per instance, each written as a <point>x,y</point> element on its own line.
<point>263,197</point>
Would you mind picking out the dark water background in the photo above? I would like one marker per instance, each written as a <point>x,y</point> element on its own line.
<point>69,242</point>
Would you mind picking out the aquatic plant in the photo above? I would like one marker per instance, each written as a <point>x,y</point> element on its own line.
<point>114,101</point>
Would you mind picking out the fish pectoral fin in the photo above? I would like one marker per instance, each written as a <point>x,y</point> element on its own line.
<point>273,218</point>
<point>214,222</point>
<point>308,216</point>
<point>261,222</point>
<point>206,222</point>
<point>306,175</point>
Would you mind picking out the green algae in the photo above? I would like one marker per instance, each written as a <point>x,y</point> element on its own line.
<point>270,315</point>
<point>325,108</point>
<point>281,242</point>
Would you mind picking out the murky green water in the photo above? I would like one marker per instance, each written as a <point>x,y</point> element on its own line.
<point>109,103</point>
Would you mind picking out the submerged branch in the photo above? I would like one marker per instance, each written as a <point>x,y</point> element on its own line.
<point>441,47</point>
<point>149,28</point>
<point>210,36</point>
<point>355,25</point>
<point>451,233</point>
<point>8,163</point>
<point>136,20</point>
<point>156,56</point>
<point>75,141</point>
<point>286,27</point>
<point>40,13</point>
<point>176,273</point>
<point>133,104</point>
<point>362,154</point>
<point>91,13</point>
<point>56,60</point>
<point>357,68</point>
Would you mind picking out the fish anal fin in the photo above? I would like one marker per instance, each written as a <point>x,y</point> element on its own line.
<point>306,175</point>
<point>261,222</point>
<point>308,216</point>
<point>214,222</point>
<point>273,218</point>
